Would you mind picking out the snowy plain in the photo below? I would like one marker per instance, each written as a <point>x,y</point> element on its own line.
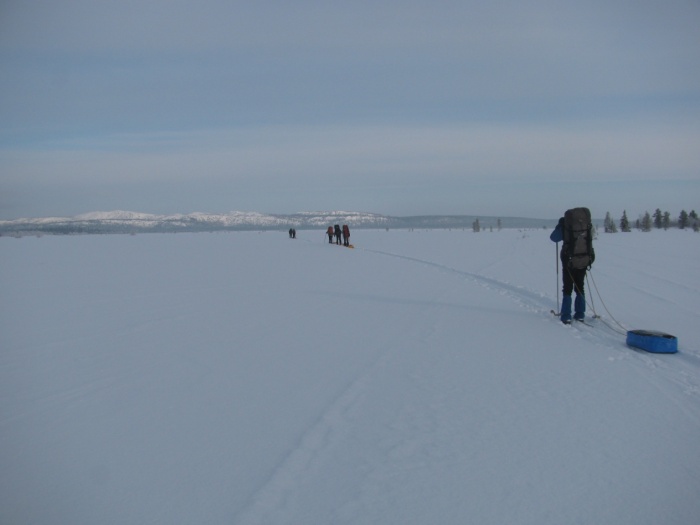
<point>248,378</point>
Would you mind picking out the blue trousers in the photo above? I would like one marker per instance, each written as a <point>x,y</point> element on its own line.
<point>573,281</point>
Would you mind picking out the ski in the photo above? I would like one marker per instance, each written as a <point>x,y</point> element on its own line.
<point>576,321</point>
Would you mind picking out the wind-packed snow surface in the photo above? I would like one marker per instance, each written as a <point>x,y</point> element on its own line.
<point>249,378</point>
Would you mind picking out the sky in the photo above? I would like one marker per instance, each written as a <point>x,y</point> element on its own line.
<point>401,108</point>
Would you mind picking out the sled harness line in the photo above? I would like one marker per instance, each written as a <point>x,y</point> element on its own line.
<point>589,277</point>
<point>621,330</point>
<point>650,341</point>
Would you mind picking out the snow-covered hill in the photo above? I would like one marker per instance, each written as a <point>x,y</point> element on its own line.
<point>134,222</point>
<point>248,378</point>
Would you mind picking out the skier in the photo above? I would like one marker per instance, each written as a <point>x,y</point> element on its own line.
<point>337,234</point>
<point>577,255</point>
<point>346,235</point>
<point>329,231</point>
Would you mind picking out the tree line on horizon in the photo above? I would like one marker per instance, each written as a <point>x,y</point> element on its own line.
<point>658,220</point>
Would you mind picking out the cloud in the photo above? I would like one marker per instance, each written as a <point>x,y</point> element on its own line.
<point>106,67</point>
<point>308,154</point>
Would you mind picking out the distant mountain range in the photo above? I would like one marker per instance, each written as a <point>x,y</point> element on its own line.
<point>126,222</point>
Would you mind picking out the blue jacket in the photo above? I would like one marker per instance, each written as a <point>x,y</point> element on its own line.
<point>558,234</point>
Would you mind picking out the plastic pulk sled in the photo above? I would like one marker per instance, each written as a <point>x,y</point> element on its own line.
<point>651,341</point>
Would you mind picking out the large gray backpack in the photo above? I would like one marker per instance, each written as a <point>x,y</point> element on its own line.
<point>578,242</point>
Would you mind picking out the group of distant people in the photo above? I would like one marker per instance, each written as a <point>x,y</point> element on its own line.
<point>333,232</point>
<point>339,234</point>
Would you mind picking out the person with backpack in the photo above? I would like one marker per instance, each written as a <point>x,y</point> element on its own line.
<point>337,234</point>
<point>346,235</point>
<point>329,231</point>
<point>574,230</point>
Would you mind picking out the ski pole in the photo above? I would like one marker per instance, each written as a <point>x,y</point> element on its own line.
<point>556,256</point>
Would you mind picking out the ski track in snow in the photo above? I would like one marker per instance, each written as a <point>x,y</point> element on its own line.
<point>269,503</point>
<point>528,299</point>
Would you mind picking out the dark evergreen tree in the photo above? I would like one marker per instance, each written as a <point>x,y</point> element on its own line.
<point>646,222</point>
<point>609,224</point>
<point>658,218</point>
<point>624,222</point>
<point>667,220</point>
<point>683,220</point>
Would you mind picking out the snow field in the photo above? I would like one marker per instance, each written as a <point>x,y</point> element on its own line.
<point>250,378</point>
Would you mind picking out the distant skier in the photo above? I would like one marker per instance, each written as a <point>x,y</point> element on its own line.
<point>577,255</point>
<point>338,234</point>
<point>329,231</point>
<point>346,235</point>
<point>291,234</point>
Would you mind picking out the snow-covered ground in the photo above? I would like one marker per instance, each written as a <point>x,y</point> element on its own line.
<point>248,378</point>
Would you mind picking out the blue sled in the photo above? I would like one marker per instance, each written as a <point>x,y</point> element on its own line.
<point>656,342</point>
